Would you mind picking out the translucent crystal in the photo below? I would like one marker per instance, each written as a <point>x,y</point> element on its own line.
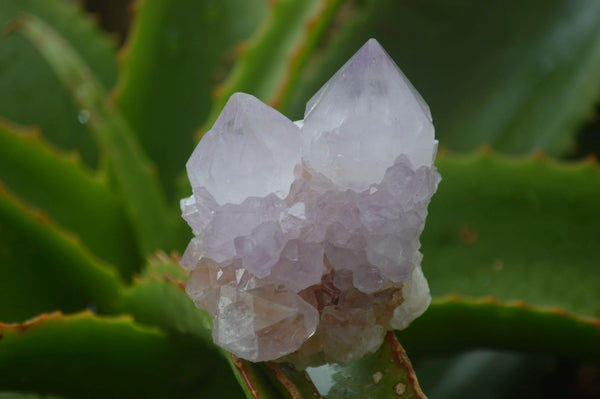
<point>260,249</point>
<point>250,152</point>
<point>300,265</point>
<point>368,107</point>
<point>262,325</point>
<point>416,299</point>
<point>306,244</point>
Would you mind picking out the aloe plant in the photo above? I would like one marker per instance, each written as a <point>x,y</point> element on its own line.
<point>93,143</point>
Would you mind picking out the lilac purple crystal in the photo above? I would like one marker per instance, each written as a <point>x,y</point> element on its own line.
<point>306,244</point>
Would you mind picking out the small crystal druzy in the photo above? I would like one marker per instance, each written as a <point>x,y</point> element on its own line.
<point>306,244</point>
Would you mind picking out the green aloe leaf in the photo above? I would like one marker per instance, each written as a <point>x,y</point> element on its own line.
<point>272,61</point>
<point>176,52</point>
<point>487,323</point>
<point>44,269</point>
<point>57,184</point>
<point>25,79</point>
<point>387,373</point>
<point>515,75</point>
<point>515,230</point>
<point>154,223</point>
<point>84,355</point>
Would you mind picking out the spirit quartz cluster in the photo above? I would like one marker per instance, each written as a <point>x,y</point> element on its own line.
<point>306,244</point>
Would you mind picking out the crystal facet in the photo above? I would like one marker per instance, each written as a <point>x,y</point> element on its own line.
<point>306,244</point>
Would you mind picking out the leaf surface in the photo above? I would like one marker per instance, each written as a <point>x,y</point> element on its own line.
<point>175,54</point>
<point>516,75</point>
<point>84,355</point>
<point>515,230</point>
<point>31,93</point>
<point>43,269</point>
<point>387,373</point>
<point>62,187</point>
<point>155,224</point>
<point>453,325</point>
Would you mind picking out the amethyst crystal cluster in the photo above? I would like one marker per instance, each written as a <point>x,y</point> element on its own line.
<point>306,244</point>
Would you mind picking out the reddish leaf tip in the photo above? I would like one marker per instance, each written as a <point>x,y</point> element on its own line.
<point>243,372</point>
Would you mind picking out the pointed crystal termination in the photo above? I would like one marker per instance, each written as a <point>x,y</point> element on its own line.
<point>363,118</point>
<point>306,244</point>
<point>250,151</point>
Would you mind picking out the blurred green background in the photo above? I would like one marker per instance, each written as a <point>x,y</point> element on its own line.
<point>513,87</point>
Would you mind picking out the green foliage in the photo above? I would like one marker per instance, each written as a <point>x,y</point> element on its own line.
<point>383,374</point>
<point>23,72</point>
<point>44,269</point>
<point>516,230</point>
<point>62,184</point>
<point>98,357</point>
<point>488,323</point>
<point>129,166</point>
<point>509,246</point>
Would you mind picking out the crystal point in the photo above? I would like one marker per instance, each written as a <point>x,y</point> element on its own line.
<point>250,151</point>
<point>368,107</point>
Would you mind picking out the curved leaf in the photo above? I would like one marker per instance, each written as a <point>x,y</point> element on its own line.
<point>454,325</point>
<point>387,373</point>
<point>175,52</point>
<point>58,184</point>
<point>88,356</point>
<point>43,269</point>
<point>31,94</point>
<point>154,223</point>
<point>516,75</point>
<point>270,65</point>
<point>515,230</point>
